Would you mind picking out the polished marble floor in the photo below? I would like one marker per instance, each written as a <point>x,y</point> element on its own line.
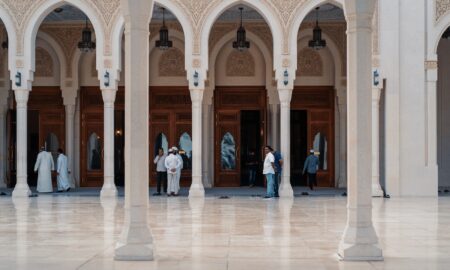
<point>79,232</point>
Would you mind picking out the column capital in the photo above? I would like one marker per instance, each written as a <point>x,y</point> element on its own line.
<point>109,95</point>
<point>285,95</point>
<point>196,95</point>
<point>21,96</point>
<point>69,95</point>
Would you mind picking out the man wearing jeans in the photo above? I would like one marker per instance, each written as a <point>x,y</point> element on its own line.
<point>269,171</point>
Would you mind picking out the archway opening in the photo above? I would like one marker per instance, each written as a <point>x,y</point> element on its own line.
<point>7,168</point>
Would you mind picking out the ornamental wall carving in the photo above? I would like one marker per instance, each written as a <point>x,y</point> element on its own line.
<point>441,8</point>
<point>240,64</point>
<point>44,63</point>
<point>309,63</point>
<point>171,63</point>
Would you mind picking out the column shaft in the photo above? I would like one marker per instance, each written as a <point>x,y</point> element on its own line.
<point>70,135</point>
<point>109,188</point>
<point>197,189</point>
<point>342,145</point>
<point>376,187</point>
<point>285,190</point>
<point>3,148</point>
<point>359,241</point>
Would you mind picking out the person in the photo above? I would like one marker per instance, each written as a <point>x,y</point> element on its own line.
<point>161,172</point>
<point>311,166</point>
<point>176,153</point>
<point>172,163</point>
<point>278,171</point>
<point>62,172</point>
<point>44,167</point>
<point>252,166</point>
<point>269,171</point>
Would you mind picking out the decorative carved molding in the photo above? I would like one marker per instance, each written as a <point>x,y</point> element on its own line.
<point>441,8</point>
<point>44,63</point>
<point>171,63</point>
<point>431,65</point>
<point>240,64</point>
<point>309,63</point>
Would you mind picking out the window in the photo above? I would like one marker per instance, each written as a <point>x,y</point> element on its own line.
<point>94,150</point>
<point>228,152</point>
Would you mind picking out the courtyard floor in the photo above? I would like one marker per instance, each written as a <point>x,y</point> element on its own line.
<point>78,231</point>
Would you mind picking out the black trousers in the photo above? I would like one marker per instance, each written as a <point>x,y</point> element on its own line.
<point>161,177</point>
<point>312,180</point>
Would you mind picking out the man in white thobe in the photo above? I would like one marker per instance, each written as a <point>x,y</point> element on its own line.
<point>172,164</point>
<point>63,172</point>
<point>176,153</point>
<point>44,167</point>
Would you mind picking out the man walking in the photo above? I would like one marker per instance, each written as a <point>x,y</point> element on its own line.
<point>161,172</point>
<point>311,166</point>
<point>172,164</point>
<point>63,172</point>
<point>44,167</point>
<point>269,171</point>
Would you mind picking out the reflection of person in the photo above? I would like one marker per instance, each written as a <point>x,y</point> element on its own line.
<point>44,166</point>
<point>252,166</point>
<point>269,171</point>
<point>311,166</point>
<point>172,163</point>
<point>63,172</point>
<point>278,171</point>
<point>96,162</point>
<point>161,172</point>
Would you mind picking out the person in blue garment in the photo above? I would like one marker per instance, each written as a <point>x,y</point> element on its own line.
<point>311,166</point>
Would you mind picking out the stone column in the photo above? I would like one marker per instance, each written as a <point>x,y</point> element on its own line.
<point>197,189</point>
<point>3,147</point>
<point>70,139</point>
<point>285,95</point>
<point>109,188</point>
<point>359,241</point>
<point>431,120</point>
<point>376,187</point>
<point>274,125</point>
<point>136,241</point>
<point>21,189</point>
<point>207,131</point>
<point>342,106</point>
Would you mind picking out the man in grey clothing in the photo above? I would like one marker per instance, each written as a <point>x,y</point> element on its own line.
<point>311,166</point>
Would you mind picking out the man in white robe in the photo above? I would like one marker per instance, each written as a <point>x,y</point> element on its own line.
<point>63,172</point>
<point>172,164</point>
<point>44,167</point>
<point>176,153</point>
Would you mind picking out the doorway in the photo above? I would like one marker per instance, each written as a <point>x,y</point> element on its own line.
<point>299,145</point>
<point>250,144</point>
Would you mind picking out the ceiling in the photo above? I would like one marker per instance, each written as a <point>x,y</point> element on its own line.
<point>327,12</point>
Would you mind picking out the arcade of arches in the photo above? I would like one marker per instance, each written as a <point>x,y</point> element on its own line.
<point>113,105</point>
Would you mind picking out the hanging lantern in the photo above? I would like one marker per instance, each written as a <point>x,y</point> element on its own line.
<point>86,44</point>
<point>317,42</point>
<point>241,43</point>
<point>163,43</point>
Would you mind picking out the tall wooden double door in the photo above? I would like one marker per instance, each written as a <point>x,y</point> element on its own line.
<point>240,128</point>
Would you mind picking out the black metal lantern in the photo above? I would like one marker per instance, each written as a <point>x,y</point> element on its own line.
<point>317,42</point>
<point>163,43</point>
<point>86,44</point>
<point>241,43</point>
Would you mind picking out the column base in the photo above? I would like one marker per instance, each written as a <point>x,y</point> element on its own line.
<point>21,190</point>
<point>136,244</point>
<point>360,244</point>
<point>196,190</point>
<point>377,191</point>
<point>285,190</point>
<point>110,191</point>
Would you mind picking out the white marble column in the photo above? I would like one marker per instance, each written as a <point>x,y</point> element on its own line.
<point>376,187</point>
<point>136,241</point>
<point>21,189</point>
<point>109,187</point>
<point>3,147</point>
<point>431,125</point>
<point>359,241</point>
<point>274,125</point>
<point>342,106</point>
<point>207,132</point>
<point>70,139</point>
<point>285,190</point>
<point>197,189</point>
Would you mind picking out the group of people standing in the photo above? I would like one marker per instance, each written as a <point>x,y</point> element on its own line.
<point>168,171</point>
<point>44,167</point>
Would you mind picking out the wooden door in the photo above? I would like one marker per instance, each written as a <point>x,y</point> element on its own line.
<point>159,138</point>
<point>227,149</point>
<point>92,150</point>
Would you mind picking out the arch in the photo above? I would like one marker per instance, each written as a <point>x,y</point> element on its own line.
<point>59,53</point>
<point>181,16</point>
<point>300,16</point>
<point>439,29</point>
<point>41,13</point>
<point>12,39</point>
<point>270,18</point>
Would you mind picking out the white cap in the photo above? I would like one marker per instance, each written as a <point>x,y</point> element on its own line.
<point>311,151</point>
<point>174,148</point>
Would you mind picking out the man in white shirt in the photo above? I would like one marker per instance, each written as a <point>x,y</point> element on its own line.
<point>63,172</point>
<point>44,167</point>
<point>172,164</point>
<point>161,172</point>
<point>269,171</point>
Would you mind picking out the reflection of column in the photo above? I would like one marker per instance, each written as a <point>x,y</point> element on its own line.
<point>21,189</point>
<point>376,188</point>
<point>21,206</point>
<point>196,204</point>
<point>342,103</point>
<point>197,189</point>
<point>285,95</point>
<point>3,148</point>
<point>70,134</point>
<point>109,188</point>
<point>109,209</point>
<point>136,241</point>
<point>359,241</point>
